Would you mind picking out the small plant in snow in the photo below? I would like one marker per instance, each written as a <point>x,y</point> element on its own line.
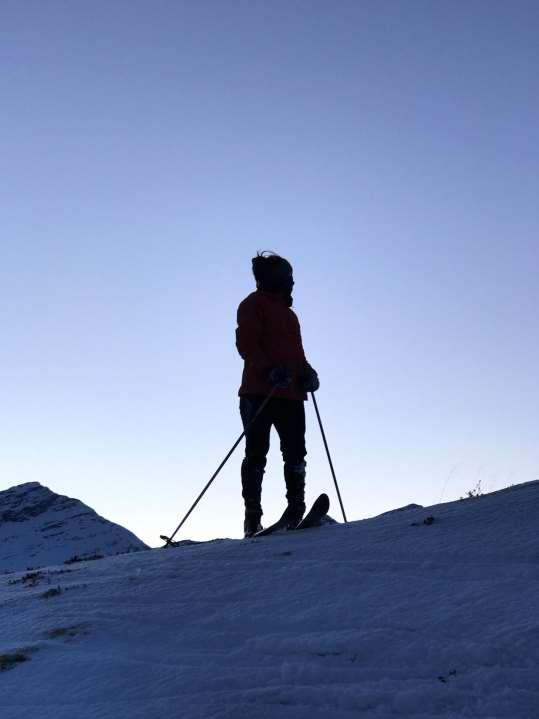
<point>477,491</point>
<point>8,661</point>
<point>30,579</point>
<point>52,592</point>
<point>66,632</point>
<point>87,558</point>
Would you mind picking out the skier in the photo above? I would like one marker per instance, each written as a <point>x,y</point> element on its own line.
<point>268,338</point>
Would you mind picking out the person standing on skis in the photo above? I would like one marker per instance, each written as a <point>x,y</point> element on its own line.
<point>268,338</point>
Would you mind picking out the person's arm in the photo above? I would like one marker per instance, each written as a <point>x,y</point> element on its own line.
<point>249,336</point>
<point>309,380</point>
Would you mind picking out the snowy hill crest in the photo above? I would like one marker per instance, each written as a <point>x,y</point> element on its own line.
<point>39,527</point>
<point>424,613</point>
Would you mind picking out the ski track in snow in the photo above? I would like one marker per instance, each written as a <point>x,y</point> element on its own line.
<point>377,618</point>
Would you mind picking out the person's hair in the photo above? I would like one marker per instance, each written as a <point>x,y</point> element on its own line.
<point>264,266</point>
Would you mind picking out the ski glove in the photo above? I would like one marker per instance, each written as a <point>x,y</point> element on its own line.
<point>279,377</point>
<point>310,380</point>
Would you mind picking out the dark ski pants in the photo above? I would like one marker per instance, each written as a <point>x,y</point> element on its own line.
<point>288,418</point>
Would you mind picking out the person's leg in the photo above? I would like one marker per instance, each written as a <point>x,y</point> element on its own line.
<point>257,441</point>
<point>289,419</point>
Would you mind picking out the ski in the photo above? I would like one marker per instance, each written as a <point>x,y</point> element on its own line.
<point>313,518</point>
<point>281,523</point>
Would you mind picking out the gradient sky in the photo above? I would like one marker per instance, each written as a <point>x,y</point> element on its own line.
<point>390,150</point>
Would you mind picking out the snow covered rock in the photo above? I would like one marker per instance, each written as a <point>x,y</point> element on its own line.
<point>39,527</point>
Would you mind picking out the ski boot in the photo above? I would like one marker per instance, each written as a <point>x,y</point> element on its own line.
<point>294,475</point>
<point>251,480</point>
<point>251,524</point>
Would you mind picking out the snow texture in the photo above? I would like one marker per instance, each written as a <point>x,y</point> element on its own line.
<point>424,612</point>
<point>39,527</point>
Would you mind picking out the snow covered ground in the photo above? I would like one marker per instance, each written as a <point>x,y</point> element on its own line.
<point>39,527</point>
<point>391,616</point>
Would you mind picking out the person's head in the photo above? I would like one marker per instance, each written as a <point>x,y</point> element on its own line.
<point>273,274</point>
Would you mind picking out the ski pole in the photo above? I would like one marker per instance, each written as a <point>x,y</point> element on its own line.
<point>329,456</point>
<point>168,540</point>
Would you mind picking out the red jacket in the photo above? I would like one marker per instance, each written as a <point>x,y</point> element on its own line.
<point>268,335</point>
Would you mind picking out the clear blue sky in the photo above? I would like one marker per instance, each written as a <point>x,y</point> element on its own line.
<point>149,149</point>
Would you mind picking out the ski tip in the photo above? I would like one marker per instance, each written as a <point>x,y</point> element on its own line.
<point>322,501</point>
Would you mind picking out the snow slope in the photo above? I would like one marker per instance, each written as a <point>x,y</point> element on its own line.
<point>39,527</point>
<point>384,617</point>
